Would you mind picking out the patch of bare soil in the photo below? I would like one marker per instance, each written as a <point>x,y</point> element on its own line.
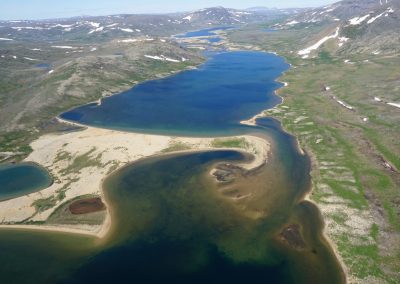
<point>85,206</point>
<point>291,236</point>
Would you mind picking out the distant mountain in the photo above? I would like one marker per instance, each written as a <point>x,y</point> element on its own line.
<point>90,28</point>
<point>375,30</point>
<point>109,27</point>
<point>344,10</point>
<point>258,9</point>
<point>275,11</point>
<point>371,26</point>
<point>225,16</point>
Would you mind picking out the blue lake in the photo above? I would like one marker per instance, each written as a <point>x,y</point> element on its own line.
<point>172,222</point>
<point>214,39</point>
<point>22,179</point>
<point>204,32</point>
<point>43,65</point>
<point>210,100</point>
<point>270,30</point>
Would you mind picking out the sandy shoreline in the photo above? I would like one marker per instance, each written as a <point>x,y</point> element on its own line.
<point>104,151</point>
<point>253,122</point>
<point>96,141</point>
<point>57,229</point>
<point>325,236</point>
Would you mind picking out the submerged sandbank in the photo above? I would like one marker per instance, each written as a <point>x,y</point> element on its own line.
<point>80,161</point>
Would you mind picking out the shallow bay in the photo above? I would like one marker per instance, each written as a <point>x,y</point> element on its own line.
<point>173,222</point>
<point>21,179</point>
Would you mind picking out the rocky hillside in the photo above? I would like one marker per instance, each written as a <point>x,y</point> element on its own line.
<point>224,16</point>
<point>366,26</point>
<point>49,66</point>
<point>110,27</point>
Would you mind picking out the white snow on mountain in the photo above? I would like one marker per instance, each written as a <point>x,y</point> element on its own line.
<point>358,20</point>
<point>307,51</point>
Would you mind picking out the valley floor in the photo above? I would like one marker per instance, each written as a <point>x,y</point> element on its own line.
<point>342,108</point>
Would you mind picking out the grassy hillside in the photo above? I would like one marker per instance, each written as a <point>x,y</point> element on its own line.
<point>355,149</point>
<point>31,96</point>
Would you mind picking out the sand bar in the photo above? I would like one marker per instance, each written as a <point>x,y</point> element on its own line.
<point>80,161</point>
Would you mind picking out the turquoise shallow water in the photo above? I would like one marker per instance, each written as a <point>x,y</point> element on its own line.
<point>174,224</point>
<point>20,179</point>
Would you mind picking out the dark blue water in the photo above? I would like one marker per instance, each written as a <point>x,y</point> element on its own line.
<point>269,30</point>
<point>210,100</point>
<point>204,32</point>
<point>214,39</point>
<point>22,179</point>
<point>44,65</point>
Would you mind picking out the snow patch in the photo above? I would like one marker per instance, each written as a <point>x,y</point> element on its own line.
<point>63,47</point>
<point>307,50</point>
<point>394,104</point>
<point>128,40</point>
<point>29,28</point>
<point>93,24</point>
<point>30,59</point>
<point>6,39</point>
<point>61,26</point>
<point>342,40</point>
<point>127,30</point>
<point>164,58</point>
<point>99,29</point>
<point>243,13</point>
<point>51,71</point>
<point>188,18</point>
<point>370,21</point>
<point>292,23</point>
<point>154,57</point>
<point>171,60</point>
<point>344,104</point>
<point>358,20</point>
